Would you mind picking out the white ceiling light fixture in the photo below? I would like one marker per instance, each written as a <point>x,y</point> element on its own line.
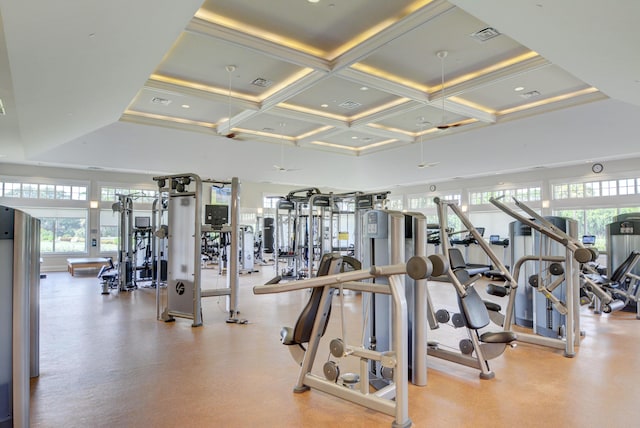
<point>442,55</point>
<point>230,69</point>
<point>281,167</point>
<point>422,163</point>
<point>443,126</point>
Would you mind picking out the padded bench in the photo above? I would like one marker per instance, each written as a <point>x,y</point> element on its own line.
<point>81,263</point>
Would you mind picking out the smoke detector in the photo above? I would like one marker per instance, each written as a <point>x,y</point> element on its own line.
<point>158,100</point>
<point>262,82</point>
<point>350,105</point>
<point>530,94</point>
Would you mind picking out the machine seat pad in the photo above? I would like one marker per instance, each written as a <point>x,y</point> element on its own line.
<point>499,337</point>
<point>286,336</point>
<point>492,306</point>
<point>497,290</point>
<point>472,307</point>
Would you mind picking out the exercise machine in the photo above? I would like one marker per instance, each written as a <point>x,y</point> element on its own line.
<point>390,237</point>
<point>392,399</point>
<point>19,313</point>
<point>474,314</point>
<point>124,207</point>
<point>555,318</point>
<point>309,223</point>
<point>623,239</point>
<point>184,217</point>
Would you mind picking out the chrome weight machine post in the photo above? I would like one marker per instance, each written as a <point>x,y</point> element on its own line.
<point>233,273</point>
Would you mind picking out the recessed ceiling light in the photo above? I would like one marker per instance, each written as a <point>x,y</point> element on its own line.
<point>324,105</point>
<point>364,88</point>
<point>519,88</point>
<point>186,106</point>
<point>354,138</point>
<point>313,1</point>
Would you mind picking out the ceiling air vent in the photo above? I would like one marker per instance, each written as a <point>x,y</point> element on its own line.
<point>262,82</point>
<point>158,100</point>
<point>349,105</point>
<point>485,34</point>
<point>530,94</point>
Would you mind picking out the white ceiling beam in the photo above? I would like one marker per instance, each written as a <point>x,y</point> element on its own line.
<point>383,133</point>
<point>258,45</point>
<point>220,98</point>
<point>294,89</point>
<point>465,110</point>
<point>508,72</point>
<point>545,108</point>
<point>397,29</point>
<point>392,111</point>
<point>381,84</point>
<point>308,117</point>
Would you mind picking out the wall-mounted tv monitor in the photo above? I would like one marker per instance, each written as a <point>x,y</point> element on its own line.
<point>216,215</point>
<point>142,222</point>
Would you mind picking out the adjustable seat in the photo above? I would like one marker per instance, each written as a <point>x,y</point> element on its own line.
<point>458,266</point>
<point>108,277</point>
<point>297,336</point>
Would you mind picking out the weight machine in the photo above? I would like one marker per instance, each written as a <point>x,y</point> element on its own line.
<point>138,251</point>
<point>554,314</point>
<point>309,223</point>
<point>19,313</point>
<point>474,314</point>
<point>392,399</point>
<point>184,214</point>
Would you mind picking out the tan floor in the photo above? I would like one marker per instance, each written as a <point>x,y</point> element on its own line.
<point>107,362</point>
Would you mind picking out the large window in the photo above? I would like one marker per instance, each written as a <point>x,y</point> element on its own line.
<point>109,231</point>
<point>61,230</point>
<point>593,189</point>
<point>144,196</point>
<point>524,194</point>
<point>394,202</point>
<point>15,189</point>
<point>594,221</point>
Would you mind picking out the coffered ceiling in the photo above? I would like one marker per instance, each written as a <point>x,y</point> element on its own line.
<point>352,77</point>
<point>313,83</point>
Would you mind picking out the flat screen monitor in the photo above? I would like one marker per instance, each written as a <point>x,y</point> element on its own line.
<point>493,239</point>
<point>589,239</point>
<point>216,215</point>
<point>480,230</point>
<point>142,222</point>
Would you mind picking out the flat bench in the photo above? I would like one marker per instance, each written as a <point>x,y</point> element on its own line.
<point>81,263</point>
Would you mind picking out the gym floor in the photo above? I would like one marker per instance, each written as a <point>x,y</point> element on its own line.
<point>105,361</point>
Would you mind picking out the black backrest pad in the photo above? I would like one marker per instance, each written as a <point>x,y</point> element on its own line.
<point>629,263</point>
<point>474,309</point>
<point>456,259</point>
<point>329,264</point>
